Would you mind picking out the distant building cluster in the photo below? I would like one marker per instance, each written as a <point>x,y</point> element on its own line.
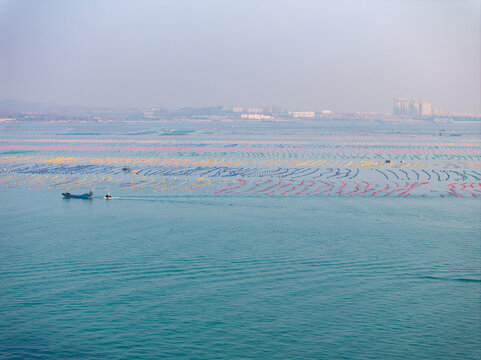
<point>302,114</point>
<point>404,110</point>
<point>405,106</point>
<point>256,116</point>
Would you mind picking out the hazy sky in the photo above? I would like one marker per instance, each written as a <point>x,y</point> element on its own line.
<point>340,55</point>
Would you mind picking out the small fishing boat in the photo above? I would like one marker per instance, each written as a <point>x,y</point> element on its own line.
<point>83,196</point>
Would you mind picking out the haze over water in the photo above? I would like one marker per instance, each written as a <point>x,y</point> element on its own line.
<point>342,55</point>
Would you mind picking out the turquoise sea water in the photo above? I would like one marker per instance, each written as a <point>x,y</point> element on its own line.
<point>222,277</point>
